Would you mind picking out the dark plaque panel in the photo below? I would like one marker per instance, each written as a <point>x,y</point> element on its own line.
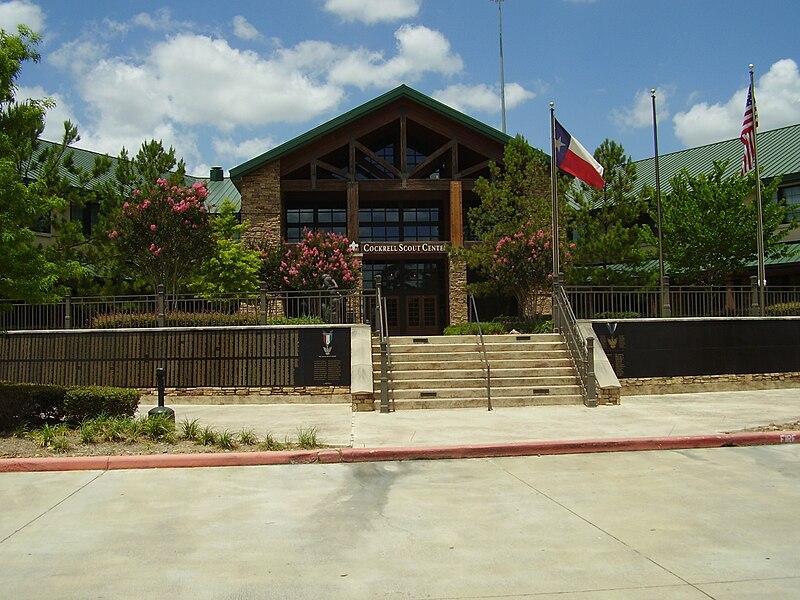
<point>324,357</point>
<point>679,348</point>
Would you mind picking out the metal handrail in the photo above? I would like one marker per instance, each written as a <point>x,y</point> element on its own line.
<point>383,337</point>
<point>473,310</point>
<point>565,323</point>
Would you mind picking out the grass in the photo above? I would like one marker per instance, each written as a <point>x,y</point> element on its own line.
<point>307,438</point>
<point>147,429</point>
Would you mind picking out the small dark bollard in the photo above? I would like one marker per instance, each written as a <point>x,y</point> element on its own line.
<point>161,409</point>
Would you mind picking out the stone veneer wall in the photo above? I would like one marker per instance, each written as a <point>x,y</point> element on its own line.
<point>708,383</point>
<point>247,395</point>
<point>261,203</point>
<point>457,290</point>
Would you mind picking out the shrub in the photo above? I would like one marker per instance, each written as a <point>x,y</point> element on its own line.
<point>488,328</point>
<point>783,309</point>
<point>193,319</point>
<point>623,314</point>
<point>29,402</point>
<point>81,403</point>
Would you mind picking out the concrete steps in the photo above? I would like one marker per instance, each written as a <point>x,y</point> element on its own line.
<point>449,371</point>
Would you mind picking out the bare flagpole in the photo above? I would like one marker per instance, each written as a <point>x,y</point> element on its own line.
<point>664,309</point>
<point>762,274</point>
<point>502,67</point>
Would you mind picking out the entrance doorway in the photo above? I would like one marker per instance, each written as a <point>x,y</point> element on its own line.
<point>415,293</point>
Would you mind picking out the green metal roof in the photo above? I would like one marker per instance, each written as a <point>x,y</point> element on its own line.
<point>402,91</point>
<point>84,160</point>
<point>778,154</point>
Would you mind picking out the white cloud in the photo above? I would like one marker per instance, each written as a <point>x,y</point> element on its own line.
<point>233,150</point>
<point>54,120</point>
<point>482,98</point>
<point>162,20</point>
<point>373,11</point>
<point>419,50</point>
<point>78,56</point>
<point>243,29</point>
<point>640,113</point>
<point>777,99</point>
<point>18,12</point>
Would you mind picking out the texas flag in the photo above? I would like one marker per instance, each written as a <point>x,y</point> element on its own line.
<point>573,158</point>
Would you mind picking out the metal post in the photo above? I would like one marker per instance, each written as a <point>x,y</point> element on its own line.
<point>262,307</point>
<point>666,307</point>
<point>161,409</point>
<point>591,389</point>
<point>755,310</point>
<point>68,311</point>
<point>383,346</point>
<point>160,304</point>
<point>664,304</point>
<point>502,68</point>
<point>762,273</point>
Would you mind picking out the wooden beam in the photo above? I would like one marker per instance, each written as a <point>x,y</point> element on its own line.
<point>331,168</point>
<point>433,157</point>
<point>456,215</point>
<point>473,169</point>
<point>352,210</point>
<point>377,158</point>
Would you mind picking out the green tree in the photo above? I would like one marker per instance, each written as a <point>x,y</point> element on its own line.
<point>613,242</point>
<point>231,266</point>
<point>319,254</point>
<point>709,225</point>
<point>25,198</point>
<point>163,233</point>
<point>515,200</point>
<point>142,172</point>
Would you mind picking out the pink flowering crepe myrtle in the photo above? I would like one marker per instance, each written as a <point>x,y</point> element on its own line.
<point>163,232</point>
<point>304,265</point>
<point>523,264</point>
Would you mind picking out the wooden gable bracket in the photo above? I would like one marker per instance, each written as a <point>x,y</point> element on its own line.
<point>433,157</point>
<point>378,160</point>
<point>329,167</point>
<point>472,169</point>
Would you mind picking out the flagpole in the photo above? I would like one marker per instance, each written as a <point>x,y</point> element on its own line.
<point>554,193</point>
<point>502,67</point>
<point>664,309</point>
<point>762,275</point>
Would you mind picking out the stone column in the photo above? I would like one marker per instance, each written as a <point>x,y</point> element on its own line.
<point>457,289</point>
<point>261,204</point>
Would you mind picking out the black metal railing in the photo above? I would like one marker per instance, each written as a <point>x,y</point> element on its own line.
<point>473,312</point>
<point>385,348</point>
<point>594,302</point>
<point>581,350</point>
<point>187,310</point>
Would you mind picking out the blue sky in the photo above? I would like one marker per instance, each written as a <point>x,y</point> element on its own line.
<point>223,82</point>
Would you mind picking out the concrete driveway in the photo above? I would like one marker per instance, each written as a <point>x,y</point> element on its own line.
<point>718,523</point>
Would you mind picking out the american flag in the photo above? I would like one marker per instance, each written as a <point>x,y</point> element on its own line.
<point>748,136</point>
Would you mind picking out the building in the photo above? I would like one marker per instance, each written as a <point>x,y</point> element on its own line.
<point>778,156</point>
<point>396,176</point>
<point>219,188</point>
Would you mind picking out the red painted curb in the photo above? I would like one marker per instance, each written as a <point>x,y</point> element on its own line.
<point>354,455</point>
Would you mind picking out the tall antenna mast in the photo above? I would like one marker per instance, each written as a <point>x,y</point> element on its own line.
<point>502,68</point>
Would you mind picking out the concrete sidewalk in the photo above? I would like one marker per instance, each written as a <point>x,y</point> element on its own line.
<point>680,421</point>
<point>636,417</point>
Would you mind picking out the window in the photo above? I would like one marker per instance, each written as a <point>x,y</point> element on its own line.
<point>323,217</point>
<point>410,224</point>
<point>791,195</point>
<point>86,215</point>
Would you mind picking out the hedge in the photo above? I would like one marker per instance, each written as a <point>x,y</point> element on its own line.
<point>192,319</point>
<point>31,403</point>
<point>783,309</point>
